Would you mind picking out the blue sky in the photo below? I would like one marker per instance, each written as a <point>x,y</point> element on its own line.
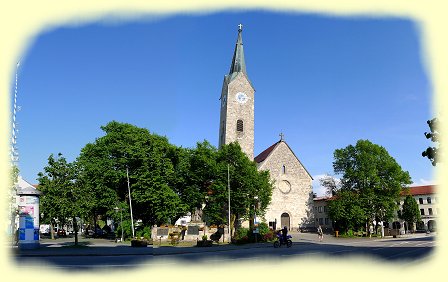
<point>324,81</point>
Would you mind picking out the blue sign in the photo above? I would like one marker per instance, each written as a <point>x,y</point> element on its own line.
<point>36,234</point>
<point>29,222</point>
<point>21,233</point>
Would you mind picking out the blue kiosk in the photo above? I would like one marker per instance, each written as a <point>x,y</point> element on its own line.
<point>28,208</point>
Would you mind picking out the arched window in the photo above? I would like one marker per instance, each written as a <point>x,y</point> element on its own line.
<point>284,169</point>
<point>239,125</point>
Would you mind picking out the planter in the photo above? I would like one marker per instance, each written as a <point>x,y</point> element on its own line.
<point>139,243</point>
<point>204,243</point>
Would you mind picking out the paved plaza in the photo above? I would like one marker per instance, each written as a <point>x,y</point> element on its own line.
<point>105,254</point>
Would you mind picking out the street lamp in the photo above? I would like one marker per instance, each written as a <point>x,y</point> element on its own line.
<point>121,221</point>
<point>130,201</point>
<point>255,218</point>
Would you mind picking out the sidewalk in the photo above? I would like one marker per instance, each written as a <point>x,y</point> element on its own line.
<point>103,247</point>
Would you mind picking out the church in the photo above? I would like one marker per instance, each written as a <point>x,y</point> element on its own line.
<point>292,197</point>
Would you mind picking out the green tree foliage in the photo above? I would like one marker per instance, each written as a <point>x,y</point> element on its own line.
<point>246,183</point>
<point>372,177</point>
<point>62,197</point>
<point>346,211</point>
<point>165,181</point>
<point>410,211</point>
<point>149,160</point>
<point>432,153</point>
<point>199,175</point>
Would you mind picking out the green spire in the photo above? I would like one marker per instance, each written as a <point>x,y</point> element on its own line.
<point>238,64</point>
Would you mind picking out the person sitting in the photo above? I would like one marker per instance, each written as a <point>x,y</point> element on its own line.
<point>284,233</point>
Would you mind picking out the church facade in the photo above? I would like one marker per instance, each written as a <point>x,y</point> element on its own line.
<point>292,197</point>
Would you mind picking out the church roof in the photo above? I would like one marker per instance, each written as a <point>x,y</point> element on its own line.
<point>265,154</point>
<point>238,63</point>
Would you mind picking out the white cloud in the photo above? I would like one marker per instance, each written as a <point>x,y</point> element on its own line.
<point>422,181</point>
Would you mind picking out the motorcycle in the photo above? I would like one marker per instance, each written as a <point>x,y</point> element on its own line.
<point>279,242</point>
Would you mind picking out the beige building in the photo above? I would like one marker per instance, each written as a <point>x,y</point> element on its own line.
<point>427,203</point>
<point>424,196</point>
<point>320,213</point>
<point>292,201</point>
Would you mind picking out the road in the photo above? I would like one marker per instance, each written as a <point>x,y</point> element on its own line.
<point>402,250</point>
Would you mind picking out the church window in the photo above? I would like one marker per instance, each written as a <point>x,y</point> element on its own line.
<point>284,169</point>
<point>239,125</point>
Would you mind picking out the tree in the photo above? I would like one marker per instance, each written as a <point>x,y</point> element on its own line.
<point>198,173</point>
<point>147,158</point>
<point>62,198</point>
<point>13,178</point>
<point>250,189</point>
<point>331,184</point>
<point>373,176</point>
<point>346,211</point>
<point>410,211</point>
<point>432,153</point>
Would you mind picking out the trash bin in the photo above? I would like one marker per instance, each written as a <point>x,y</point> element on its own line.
<point>336,233</point>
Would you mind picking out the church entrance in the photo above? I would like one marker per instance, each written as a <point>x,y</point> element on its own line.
<point>284,219</point>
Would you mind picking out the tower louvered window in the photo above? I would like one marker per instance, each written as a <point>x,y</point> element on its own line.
<point>239,125</point>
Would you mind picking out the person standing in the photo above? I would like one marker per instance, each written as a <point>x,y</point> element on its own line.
<point>320,234</point>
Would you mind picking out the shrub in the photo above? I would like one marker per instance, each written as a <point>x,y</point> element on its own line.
<point>241,235</point>
<point>263,229</point>
<point>145,232</point>
<point>268,237</point>
<point>127,229</point>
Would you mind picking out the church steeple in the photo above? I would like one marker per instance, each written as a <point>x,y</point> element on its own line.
<point>238,64</point>
<point>237,103</point>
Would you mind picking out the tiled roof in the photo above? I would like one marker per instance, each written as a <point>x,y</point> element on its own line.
<point>414,191</point>
<point>263,155</point>
<point>421,190</point>
<point>325,198</point>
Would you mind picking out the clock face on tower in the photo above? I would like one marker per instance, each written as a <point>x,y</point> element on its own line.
<point>241,97</point>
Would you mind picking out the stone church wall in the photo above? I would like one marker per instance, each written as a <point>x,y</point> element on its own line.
<point>297,202</point>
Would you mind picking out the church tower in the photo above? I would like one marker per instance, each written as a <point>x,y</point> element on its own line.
<point>237,103</point>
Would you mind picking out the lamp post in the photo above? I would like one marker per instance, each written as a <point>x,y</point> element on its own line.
<point>121,220</point>
<point>130,201</point>
<point>255,218</point>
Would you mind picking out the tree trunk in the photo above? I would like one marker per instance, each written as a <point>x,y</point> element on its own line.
<point>232,224</point>
<point>52,230</point>
<point>75,227</point>
<point>94,224</point>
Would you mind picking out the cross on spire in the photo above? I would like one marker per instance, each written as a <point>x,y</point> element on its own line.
<point>281,136</point>
<point>240,27</point>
